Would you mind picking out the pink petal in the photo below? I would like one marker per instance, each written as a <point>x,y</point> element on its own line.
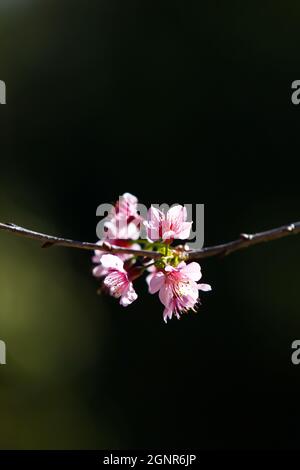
<point>111,229</point>
<point>136,246</point>
<point>99,271</point>
<point>184,231</point>
<point>168,235</point>
<point>193,292</point>
<point>165,295</point>
<point>167,314</point>
<point>112,262</point>
<point>177,214</point>
<point>153,223</point>
<point>152,269</point>
<point>148,279</point>
<point>97,258</point>
<point>181,265</point>
<point>204,287</point>
<point>126,205</point>
<point>169,269</point>
<point>154,216</point>
<point>117,282</point>
<point>133,231</point>
<point>121,227</point>
<point>130,198</point>
<point>192,271</point>
<point>156,282</point>
<point>128,296</point>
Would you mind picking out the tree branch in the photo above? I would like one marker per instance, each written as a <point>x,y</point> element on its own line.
<point>48,241</point>
<point>244,241</point>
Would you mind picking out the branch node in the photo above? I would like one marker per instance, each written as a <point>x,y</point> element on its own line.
<point>290,227</point>
<point>47,244</point>
<point>107,246</point>
<point>246,236</point>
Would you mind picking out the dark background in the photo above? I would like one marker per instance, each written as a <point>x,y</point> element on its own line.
<point>184,102</point>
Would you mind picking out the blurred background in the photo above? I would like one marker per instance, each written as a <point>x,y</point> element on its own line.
<point>173,102</point>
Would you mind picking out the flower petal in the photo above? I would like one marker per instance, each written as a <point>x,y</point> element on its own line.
<point>153,224</point>
<point>177,214</point>
<point>165,295</point>
<point>154,215</point>
<point>112,262</point>
<point>133,231</point>
<point>156,282</point>
<point>130,198</point>
<point>185,231</point>
<point>192,271</point>
<point>128,296</point>
<point>170,269</point>
<point>148,279</point>
<point>168,235</point>
<point>99,271</point>
<point>204,287</point>
<point>167,313</point>
<point>97,258</point>
<point>111,229</point>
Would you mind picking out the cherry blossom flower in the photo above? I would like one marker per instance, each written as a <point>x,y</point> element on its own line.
<point>124,221</point>
<point>176,281</point>
<point>169,226</point>
<point>127,205</point>
<point>178,288</point>
<point>121,227</point>
<point>116,279</point>
<point>118,228</point>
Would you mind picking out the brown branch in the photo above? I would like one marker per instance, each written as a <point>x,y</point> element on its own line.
<point>48,241</point>
<point>244,241</point>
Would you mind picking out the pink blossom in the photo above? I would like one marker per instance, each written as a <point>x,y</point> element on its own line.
<point>124,221</point>
<point>169,226</point>
<point>127,205</point>
<point>178,288</point>
<point>122,226</point>
<point>116,279</point>
<point>118,228</point>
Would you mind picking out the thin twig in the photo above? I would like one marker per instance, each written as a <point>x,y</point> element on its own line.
<point>244,241</point>
<point>49,240</point>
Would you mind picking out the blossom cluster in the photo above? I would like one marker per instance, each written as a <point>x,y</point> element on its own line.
<point>175,281</point>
